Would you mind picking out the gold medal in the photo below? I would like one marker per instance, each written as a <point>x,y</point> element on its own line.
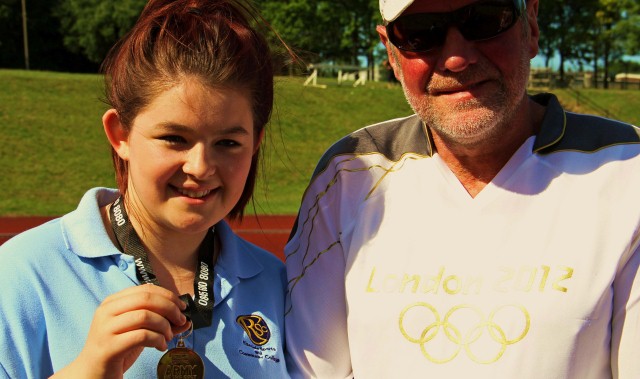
<point>181,362</point>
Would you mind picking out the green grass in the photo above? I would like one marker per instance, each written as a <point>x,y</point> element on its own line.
<point>306,122</point>
<point>53,147</point>
<point>623,105</point>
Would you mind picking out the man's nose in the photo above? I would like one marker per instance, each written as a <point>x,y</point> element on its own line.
<point>457,53</point>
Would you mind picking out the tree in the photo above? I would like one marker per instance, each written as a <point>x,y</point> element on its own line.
<point>91,27</point>
<point>614,20</point>
<point>563,30</point>
<point>46,50</point>
<point>10,34</point>
<point>304,27</point>
<point>366,39</point>
<point>337,31</point>
<point>550,22</point>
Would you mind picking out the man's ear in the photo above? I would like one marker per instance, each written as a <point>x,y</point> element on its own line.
<point>117,134</point>
<point>382,32</point>
<point>534,30</point>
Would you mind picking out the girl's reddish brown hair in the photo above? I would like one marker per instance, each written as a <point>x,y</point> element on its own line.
<point>212,40</point>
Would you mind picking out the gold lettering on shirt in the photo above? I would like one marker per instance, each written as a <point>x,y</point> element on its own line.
<point>503,279</point>
<point>371,278</point>
<point>567,275</point>
<point>413,280</point>
<point>451,285</point>
<point>433,282</point>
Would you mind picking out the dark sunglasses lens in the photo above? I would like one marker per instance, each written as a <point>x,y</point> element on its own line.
<point>486,20</point>
<point>418,32</point>
<point>421,32</point>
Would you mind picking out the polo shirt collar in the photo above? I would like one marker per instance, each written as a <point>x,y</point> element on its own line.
<point>83,229</point>
<point>234,262</point>
<point>85,235</point>
<point>554,122</point>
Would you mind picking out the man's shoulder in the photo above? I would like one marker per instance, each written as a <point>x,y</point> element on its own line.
<point>392,139</point>
<point>604,131</point>
<point>588,133</point>
<point>569,131</point>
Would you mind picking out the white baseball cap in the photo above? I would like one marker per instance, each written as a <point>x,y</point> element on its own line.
<point>391,9</point>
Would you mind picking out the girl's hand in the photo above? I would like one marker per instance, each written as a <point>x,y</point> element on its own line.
<point>124,324</point>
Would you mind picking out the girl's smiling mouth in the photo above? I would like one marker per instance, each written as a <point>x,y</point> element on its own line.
<point>195,194</point>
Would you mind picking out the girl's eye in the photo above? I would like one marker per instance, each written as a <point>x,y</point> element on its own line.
<point>173,139</point>
<point>228,143</point>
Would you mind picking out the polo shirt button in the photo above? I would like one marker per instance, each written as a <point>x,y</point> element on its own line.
<point>123,265</point>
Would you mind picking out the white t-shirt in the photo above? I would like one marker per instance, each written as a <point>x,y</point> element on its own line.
<point>395,271</point>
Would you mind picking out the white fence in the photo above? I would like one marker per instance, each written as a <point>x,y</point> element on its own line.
<point>547,79</point>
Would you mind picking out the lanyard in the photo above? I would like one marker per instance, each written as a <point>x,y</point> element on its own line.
<point>200,310</point>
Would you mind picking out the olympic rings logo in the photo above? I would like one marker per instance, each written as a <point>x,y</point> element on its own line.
<point>454,339</point>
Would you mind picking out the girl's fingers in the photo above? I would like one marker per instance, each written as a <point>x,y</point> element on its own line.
<point>127,322</point>
<point>139,338</point>
<point>142,319</point>
<point>177,329</point>
<point>150,289</point>
<point>148,297</point>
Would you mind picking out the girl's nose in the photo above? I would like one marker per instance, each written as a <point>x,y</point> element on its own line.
<point>199,162</point>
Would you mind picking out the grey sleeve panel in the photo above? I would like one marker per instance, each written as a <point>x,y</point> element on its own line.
<point>392,138</point>
<point>567,131</point>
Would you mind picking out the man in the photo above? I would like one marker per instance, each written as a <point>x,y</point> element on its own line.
<point>490,235</point>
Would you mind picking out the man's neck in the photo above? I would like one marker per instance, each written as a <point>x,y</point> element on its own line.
<point>475,165</point>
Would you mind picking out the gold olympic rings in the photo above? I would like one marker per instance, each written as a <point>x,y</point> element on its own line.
<point>462,339</point>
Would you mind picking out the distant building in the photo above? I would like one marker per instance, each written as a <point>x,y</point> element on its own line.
<point>627,78</point>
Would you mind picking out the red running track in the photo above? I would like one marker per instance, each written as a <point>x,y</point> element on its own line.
<point>269,232</point>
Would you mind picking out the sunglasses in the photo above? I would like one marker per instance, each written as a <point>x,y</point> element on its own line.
<point>422,32</point>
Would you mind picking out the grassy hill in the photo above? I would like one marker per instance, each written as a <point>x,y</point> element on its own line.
<point>623,105</point>
<point>53,147</point>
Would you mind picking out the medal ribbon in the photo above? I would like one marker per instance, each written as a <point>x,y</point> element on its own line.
<point>199,311</point>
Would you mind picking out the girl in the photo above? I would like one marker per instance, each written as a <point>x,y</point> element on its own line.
<point>106,290</point>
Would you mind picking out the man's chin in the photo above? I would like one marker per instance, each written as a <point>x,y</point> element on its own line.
<point>466,127</point>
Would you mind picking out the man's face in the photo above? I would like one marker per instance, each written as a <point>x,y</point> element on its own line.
<point>467,91</point>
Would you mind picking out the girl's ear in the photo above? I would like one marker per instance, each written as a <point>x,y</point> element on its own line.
<point>258,141</point>
<point>116,133</point>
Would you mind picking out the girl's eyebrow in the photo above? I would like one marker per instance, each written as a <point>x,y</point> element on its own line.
<point>172,126</point>
<point>175,127</point>
<point>234,130</point>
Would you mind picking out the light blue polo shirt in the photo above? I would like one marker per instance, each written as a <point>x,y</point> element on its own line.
<point>53,277</point>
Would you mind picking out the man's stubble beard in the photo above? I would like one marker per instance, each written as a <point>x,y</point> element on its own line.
<point>477,120</point>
